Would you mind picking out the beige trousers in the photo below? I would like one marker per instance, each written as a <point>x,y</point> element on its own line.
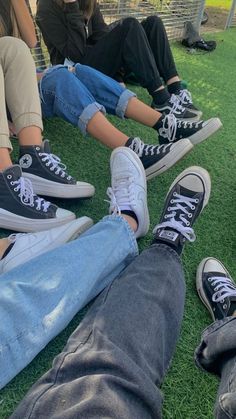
<point>18,88</point>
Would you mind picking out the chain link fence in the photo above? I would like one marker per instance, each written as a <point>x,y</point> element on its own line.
<point>174,14</point>
<point>231,21</point>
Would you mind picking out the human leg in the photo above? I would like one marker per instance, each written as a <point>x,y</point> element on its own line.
<point>216,351</point>
<point>115,361</point>
<point>20,208</point>
<point>40,287</point>
<point>159,43</point>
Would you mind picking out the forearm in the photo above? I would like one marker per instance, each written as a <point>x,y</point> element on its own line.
<point>24,22</point>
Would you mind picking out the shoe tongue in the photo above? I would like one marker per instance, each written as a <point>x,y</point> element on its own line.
<point>14,171</point>
<point>46,147</point>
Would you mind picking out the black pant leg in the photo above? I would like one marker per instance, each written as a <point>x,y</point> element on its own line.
<point>125,46</point>
<point>159,44</point>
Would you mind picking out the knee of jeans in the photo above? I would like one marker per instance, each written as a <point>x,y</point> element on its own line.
<point>226,406</point>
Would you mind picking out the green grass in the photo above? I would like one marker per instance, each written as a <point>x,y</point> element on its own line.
<point>189,394</point>
<point>224,4</point>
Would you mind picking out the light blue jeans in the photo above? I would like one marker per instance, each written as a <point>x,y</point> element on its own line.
<point>39,298</point>
<point>77,97</point>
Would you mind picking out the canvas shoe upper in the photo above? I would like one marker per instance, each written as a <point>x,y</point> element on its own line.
<point>48,174</point>
<point>128,187</point>
<point>22,210</point>
<point>28,246</point>
<point>174,106</point>
<point>173,130</point>
<point>156,159</point>
<point>216,288</point>
<point>187,197</point>
<point>186,101</point>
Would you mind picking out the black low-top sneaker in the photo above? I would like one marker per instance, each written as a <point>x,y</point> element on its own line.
<point>173,130</point>
<point>187,197</point>
<point>174,106</point>
<point>48,174</point>
<point>156,159</point>
<point>22,210</point>
<point>185,98</point>
<point>216,288</point>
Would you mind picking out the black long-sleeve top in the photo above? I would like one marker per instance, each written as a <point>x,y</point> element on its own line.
<point>66,32</point>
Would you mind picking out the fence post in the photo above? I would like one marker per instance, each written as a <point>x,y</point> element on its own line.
<point>230,15</point>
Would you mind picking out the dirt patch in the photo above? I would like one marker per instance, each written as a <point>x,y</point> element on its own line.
<point>216,19</point>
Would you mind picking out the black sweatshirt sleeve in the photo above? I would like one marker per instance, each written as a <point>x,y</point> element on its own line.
<point>64,29</point>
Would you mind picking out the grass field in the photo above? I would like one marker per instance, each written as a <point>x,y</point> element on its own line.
<point>224,4</point>
<point>189,394</point>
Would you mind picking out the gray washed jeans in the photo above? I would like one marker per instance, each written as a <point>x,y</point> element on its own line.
<point>115,361</point>
<point>217,354</point>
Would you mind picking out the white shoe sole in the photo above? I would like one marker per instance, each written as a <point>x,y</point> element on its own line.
<point>200,172</point>
<point>11,221</point>
<point>46,187</point>
<point>200,290</point>
<point>178,151</point>
<point>144,226</point>
<point>209,128</point>
<point>44,242</point>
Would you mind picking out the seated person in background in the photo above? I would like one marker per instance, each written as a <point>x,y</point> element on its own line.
<point>75,30</point>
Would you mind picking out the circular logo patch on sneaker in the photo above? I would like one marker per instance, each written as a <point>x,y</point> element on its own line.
<point>25,161</point>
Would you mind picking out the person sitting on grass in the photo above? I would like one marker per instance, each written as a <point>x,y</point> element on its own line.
<point>81,96</point>
<point>115,361</point>
<point>75,30</point>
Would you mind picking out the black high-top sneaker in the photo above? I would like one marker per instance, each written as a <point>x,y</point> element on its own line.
<point>187,197</point>
<point>174,106</point>
<point>48,175</point>
<point>216,288</point>
<point>22,210</point>
<point>156,159</point>
<point>172,129</point>
<point>185,98</point>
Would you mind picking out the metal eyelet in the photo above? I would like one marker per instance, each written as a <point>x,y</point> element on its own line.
<point>196,200</point>
<point>225,306</point>
<point>209,279</point>
<point>12,183</point>
<point>38,148</point>
<point>9,176</point>
<point>51,168</point>
<point>15,189</point>
<point>190,215</point>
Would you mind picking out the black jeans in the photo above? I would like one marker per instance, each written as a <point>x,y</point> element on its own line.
<point>141,48</point>
<point>121,350</point>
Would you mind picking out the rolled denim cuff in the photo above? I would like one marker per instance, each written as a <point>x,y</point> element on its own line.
<point>130,233</point>
<point>5,142</point>
<point>87,114</point>
<point>123,101</point>
<point>217,340</point>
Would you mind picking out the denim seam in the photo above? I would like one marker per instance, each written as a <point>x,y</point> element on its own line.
<point>225,410</point>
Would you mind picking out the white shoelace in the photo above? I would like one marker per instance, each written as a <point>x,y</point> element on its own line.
<point>176,105</point>
<point>56,164</point>
<point>223,287</point>
<point>144,149</point>
<point>185,97</point>
<point>121,195</point>
<point>27,196</point>
<point>169,127</point>
<point>181,203</point>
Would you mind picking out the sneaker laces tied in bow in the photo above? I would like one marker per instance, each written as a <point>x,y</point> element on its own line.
<point>169,127</point>
<point>223,287</point>
<point>121,195</point>
<point>185,96</point>
<point>27,196</point>
<point>181,203</point>
<point>176,104</point>
<point>56,164</point>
